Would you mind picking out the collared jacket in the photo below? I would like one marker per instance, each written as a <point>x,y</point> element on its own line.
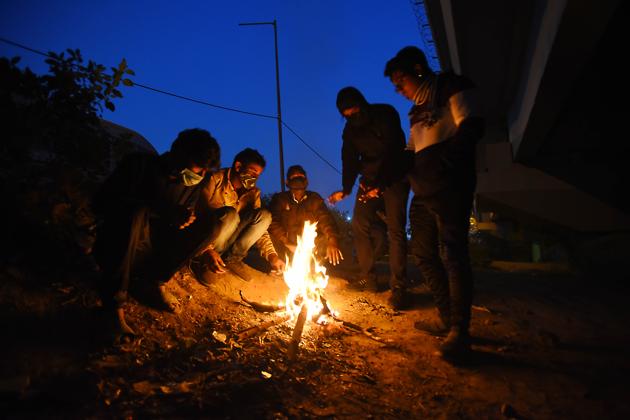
<point>289,215</point>
<point>218,192</point>
<point>375,150</point>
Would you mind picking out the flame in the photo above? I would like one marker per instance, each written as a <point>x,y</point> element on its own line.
<point>303,275</point>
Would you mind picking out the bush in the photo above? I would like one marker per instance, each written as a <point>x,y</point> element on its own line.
<point>53,153</point>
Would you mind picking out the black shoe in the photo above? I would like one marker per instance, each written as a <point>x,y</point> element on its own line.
<point>202,272</point>
<point>365,284</point>
<point>399,299</point>
<point>242,270</point>
<point>157,297</point>
<point>456,347</point>
<point>432,326</point>
<point>437,325</point>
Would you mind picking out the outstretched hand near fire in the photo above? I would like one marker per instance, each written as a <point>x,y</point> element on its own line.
<point>336,197</point>
<point>333,254</point>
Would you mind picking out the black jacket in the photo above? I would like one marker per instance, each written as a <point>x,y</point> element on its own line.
<point>144,180</point>
<point>288,217</point>
<point>143,195</point>
<point>375,150</point>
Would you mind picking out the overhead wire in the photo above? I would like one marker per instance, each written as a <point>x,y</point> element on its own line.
<point>198,101</point>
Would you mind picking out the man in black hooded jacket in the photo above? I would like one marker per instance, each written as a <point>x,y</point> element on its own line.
<point>374,147</point>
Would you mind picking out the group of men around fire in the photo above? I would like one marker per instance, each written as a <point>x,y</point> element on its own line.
<point>162,213</point>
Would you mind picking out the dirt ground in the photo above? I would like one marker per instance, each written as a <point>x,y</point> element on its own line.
<point>546,346</point>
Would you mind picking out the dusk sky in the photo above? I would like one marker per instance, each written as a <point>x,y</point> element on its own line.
<point>197,49</point>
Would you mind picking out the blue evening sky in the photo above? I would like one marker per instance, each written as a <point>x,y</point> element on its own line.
<point>197,49</point>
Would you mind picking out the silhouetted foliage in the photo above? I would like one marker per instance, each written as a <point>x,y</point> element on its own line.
<point>53,151</point>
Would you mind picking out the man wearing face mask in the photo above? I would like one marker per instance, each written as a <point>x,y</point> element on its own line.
<point>148,227</point>
<point>289,211</point>
<point>374,147</point>
<point>232,198</point>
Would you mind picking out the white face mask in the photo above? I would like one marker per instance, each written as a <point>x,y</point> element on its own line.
<point>189,178</point>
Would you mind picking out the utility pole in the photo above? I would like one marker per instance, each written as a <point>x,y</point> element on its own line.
<point>275,39</point>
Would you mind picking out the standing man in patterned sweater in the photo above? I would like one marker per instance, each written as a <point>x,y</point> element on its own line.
<point>445,127</point>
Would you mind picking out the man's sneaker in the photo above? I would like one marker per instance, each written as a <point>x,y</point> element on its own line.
<point>242,270</point>
<point>432,326</point>
<point>365,284</point>
<point>456,347</point>
<point>202,272</point>
<point>437,324</point>
<point>399,299</point>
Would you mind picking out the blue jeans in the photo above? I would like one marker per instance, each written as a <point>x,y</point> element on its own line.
<point>237,232</point>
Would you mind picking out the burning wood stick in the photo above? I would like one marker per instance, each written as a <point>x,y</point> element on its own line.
<point>297,334</point>
<point>257,329</point>
<point>260,307</point>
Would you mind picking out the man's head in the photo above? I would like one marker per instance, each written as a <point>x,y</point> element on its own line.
<point>406,70</point>
<point>297,181</point>
<point>247,166</point>
<point>352,105</point>
<point>194,152</point>
<point>296,178</point>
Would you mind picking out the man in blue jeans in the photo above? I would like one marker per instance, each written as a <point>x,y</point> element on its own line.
<point>231,197</point>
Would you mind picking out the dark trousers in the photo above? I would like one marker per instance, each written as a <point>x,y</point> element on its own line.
<point>140,246</point>
<point>395,200</point>
<point>439,240</point>
<point>369,233</point>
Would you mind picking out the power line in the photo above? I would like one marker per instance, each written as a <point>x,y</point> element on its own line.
<point>309,146</point>
<point>198,101</point>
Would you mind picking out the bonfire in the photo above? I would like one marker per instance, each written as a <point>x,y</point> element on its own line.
<point>305,277</point>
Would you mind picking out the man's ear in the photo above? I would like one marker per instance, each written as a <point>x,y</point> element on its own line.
<point>418,69</point>
<point>237,166</point>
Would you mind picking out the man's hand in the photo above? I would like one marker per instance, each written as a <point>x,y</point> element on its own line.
<point>276,263</point>
<point>182,217</point>
<point>367,193</point>
<point>189,221</point>
<point>216,264</point>
<point>333,253</point>
<point>335,197</point>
